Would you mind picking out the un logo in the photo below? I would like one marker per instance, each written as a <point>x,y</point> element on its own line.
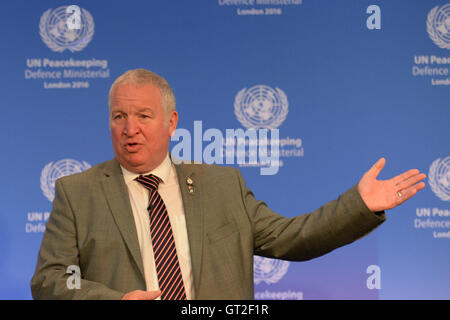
<point>261,107</point>
<point>268,270</point>
<point>439,178</point>
<point>53,171</point>
<point>438,26</point>
<point>67,27</point>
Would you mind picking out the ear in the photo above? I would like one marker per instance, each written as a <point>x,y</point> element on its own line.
<point>173,121</point>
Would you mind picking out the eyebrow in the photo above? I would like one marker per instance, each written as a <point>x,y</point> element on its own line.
<point>143,109</point>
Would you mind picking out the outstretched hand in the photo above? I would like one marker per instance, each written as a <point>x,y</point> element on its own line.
<point>380,195</point>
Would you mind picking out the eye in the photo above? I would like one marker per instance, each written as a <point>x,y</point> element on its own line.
<point>117,116</point>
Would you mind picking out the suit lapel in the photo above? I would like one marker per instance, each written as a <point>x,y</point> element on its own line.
<point>116,193</point>
<point>191,193</point>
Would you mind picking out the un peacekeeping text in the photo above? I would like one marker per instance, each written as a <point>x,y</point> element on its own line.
<point>52,70</point>
<point>258,2</point>
<point>442,226</point>
<point>69,63</point>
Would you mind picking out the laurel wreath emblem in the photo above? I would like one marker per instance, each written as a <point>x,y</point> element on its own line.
<point>238,110</point>
<point>47,190</point>
<point>241,117</point>
<point>78,45</point>
<point>276,273</point>
<point>433,181</point>
<point>432,32</point>
<point>47,186</point>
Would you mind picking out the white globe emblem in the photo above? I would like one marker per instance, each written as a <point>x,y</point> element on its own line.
<point>53,171</point>
<point>268,270</point>
<point>438,26</point>
<point>439,178</point>
<point>261,107</point>
<point>57,35</point>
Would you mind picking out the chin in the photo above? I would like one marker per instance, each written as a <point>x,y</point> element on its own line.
<point>135,164</point>
<point>130,163</point>
<point>139,166</point>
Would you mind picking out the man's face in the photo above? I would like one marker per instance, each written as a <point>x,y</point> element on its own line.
<point>140,127</point>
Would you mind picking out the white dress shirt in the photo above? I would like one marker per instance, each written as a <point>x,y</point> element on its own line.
<point>169,189</point>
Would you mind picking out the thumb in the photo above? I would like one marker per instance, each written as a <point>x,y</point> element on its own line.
<point>376,168</point>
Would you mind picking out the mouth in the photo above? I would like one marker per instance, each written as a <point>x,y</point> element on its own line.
<point>132,146</point>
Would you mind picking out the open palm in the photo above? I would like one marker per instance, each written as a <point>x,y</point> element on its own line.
<point>380,195</point>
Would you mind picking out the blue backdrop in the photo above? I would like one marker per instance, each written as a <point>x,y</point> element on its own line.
<point>353,83</point>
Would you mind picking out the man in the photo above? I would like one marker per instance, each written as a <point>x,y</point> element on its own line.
<point>141,227</point>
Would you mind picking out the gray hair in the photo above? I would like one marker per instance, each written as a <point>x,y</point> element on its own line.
<point>141,77</point>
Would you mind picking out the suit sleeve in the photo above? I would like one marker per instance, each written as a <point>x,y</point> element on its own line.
<point>309,235</point>
<point>59,251</point>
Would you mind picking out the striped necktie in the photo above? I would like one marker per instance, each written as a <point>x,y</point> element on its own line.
<point>166,259</point>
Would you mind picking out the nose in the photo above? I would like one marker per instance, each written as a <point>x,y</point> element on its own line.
<point>131,127</point>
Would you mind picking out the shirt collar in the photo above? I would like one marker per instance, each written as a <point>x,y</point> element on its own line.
<point>162,171</point>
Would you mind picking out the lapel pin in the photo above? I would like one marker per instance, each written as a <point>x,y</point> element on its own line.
<point>190,185</point>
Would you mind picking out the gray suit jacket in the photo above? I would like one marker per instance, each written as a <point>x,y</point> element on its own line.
<point>92,226</point>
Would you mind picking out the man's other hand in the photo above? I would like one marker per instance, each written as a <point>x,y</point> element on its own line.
<point>142,295</point>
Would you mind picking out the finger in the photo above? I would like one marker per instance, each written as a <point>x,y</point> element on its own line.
<point>411,181</point>
<point>405,175</point>
<point>151,295</point>
<point>376,168</point>
<point>411,191</point>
